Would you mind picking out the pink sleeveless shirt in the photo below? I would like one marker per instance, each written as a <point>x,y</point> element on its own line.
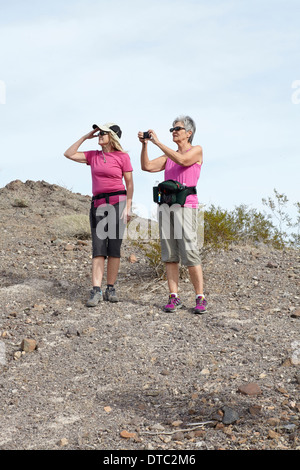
<point>188,175</point>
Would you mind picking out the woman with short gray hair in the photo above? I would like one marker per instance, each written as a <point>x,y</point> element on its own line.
<point>182,166</point>
<point>188,124</point>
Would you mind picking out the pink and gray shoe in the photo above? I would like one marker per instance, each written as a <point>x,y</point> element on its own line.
<point>201,305</point>
<point>173,304</point>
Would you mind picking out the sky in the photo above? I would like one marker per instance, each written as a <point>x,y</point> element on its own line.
<point>232,65</point>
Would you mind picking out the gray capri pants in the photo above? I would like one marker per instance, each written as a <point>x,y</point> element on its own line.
<point>178,234</point>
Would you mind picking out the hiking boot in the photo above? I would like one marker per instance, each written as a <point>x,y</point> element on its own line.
<point>110,295</point>
<point>201,305</point>
<point>173,304</point>
<point>95,298</point>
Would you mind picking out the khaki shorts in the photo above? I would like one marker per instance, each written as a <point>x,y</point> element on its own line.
<point>178,235</point>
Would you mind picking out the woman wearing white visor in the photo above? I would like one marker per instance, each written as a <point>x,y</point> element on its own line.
<point>111,204</point>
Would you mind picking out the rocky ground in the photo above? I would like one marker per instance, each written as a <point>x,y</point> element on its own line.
<point>127,375</point>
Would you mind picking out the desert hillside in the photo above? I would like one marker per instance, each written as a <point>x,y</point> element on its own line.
<point>127,375</point>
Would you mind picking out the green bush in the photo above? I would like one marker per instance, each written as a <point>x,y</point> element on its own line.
<point>241,225</point>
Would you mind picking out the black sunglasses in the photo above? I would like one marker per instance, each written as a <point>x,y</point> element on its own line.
<point>102,133</point>
<point>177,128</point>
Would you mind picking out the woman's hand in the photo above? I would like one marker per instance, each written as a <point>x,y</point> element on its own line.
<point>141,138</point>
<point>153,137</point>
<point>91,134</point>
<point>126,215</point>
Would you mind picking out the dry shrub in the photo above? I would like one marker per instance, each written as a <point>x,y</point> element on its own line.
<point>72,226</point>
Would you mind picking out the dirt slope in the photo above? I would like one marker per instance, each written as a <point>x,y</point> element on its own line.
<point>128,375</point>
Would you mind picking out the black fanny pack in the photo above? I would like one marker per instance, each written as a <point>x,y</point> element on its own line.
<point>172,192</point>
<point>106,196</point>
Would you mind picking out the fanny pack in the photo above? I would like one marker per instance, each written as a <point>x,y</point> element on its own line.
<point>106,196</point>
<point>172,192</point>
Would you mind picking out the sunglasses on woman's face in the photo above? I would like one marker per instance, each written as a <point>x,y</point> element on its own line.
<point>177,128</point>
<point>102,133</point>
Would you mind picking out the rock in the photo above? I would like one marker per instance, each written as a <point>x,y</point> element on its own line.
<point>271,265</point>
<point>290,427</point>
<point>69,247</point>
<point>296,313</point>
<point>273,435</point>
<point>273,421</point>
<point>127,435</point>
<point>295,357</point>
<point>63,442</point>
<point>28,345</point>
<point>255,410</point>
<point>178,436</point>
<point>177,423</point>
<point>38,308</point>
<point>230,415</point>
<point>132,258</point>
<point>82,243</point>
<point>72,331</point>
<point>250,389</point>
<point>157,427</point>
<point>17,355</point>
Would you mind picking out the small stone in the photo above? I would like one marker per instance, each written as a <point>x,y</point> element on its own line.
<point>255,410</point>
<point>291,427</point>
<point>39,308</point>
<point>250,389</point>
<point>28,345</point>
<point>271,265</point>
<point>132,258</point>
<point>273,435</point>
<point>178,436</point>
<point>88,331</point>
<point>127,435</point>
<point>177,423</point>
<point>230,415</point>
<point>295,358</point>
<point>273,421</point>
<point>17,355</point>
<point>72,331</point>
<point>296,313</point>
<point>69,247</point>
<point>63,442</point>
<point>81,243</point>
<point>157,427</point>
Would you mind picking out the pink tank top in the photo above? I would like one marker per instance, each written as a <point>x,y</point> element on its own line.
<point>188,175</point>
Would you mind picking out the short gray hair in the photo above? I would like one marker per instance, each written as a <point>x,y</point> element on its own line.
<point>189,125</point>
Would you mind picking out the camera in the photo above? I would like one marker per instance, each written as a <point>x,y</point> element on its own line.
<point>146,135</point>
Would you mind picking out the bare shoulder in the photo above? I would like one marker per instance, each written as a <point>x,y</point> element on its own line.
<point>199,152</point>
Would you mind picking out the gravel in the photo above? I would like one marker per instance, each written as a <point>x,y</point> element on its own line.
<point>127,375</point>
